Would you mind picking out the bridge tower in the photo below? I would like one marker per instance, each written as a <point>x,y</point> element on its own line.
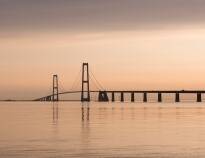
<point>55,88</point>
<point>85,93</point>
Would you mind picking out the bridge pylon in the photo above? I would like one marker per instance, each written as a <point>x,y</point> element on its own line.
<point>85,92</point>
<point>55,96</point>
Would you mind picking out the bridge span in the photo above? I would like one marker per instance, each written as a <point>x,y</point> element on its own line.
<point>110,95</point>
<point>103,96</point>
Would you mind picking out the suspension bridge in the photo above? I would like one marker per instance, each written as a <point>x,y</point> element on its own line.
<point>104,95</point>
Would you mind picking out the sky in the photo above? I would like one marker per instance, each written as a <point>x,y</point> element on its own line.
<point>129,44</point>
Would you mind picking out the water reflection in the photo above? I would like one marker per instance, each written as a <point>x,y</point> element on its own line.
<point>122,113</point>
<point>85,129</point>
<point>160,112</point>
<point>55,113</point>
<point>85,111</point>
<point>102,130</point>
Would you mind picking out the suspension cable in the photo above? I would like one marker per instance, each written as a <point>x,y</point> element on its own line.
<point>76,81</point>
<point>94,83</point>
<point>61,88</point>
<point>97,80</point>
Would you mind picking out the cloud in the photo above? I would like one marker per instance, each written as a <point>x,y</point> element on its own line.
<point>98,15</point>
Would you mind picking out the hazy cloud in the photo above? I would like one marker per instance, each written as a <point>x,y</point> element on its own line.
<point>85,15</point>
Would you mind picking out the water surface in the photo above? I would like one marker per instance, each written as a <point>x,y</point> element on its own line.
<point>70,129</point>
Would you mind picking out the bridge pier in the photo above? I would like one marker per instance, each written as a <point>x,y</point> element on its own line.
<point>159,97</point>
<point>199,99</point>
<point>122,97</point>
<point>48,98</point>
<point>113,96</point>
<point>145,97</point>
<point>177,97</point>
<point>102,97</point>
<point>132,97</point>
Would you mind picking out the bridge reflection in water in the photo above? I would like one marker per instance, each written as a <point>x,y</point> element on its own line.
<point>55,113</point>
<point>85,111</point>
<point>121,112</point>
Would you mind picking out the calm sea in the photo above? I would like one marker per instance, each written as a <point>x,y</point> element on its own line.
<point>70,129</point>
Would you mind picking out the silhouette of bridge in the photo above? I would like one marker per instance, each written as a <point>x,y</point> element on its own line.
<point>103,95</point>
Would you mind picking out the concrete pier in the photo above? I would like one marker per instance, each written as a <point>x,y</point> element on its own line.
<point>132,97</point>
<point>103,97</point>
<point>113,96</point>
<point>122,97</point>
<point>177,98</point>
<point>199,99</point>
<point>145,97</point>
<point>159,97</point>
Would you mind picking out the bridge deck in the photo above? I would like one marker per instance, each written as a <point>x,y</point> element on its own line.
<point>132,91</point>
<point>142,91</point>
<point>158,91</point>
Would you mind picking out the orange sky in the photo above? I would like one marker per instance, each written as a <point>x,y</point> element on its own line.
<point>125,48</point>
<point>168,59</point>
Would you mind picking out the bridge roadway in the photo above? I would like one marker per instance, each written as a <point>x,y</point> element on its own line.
<point>132,92</point>
<point>142,91</point>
